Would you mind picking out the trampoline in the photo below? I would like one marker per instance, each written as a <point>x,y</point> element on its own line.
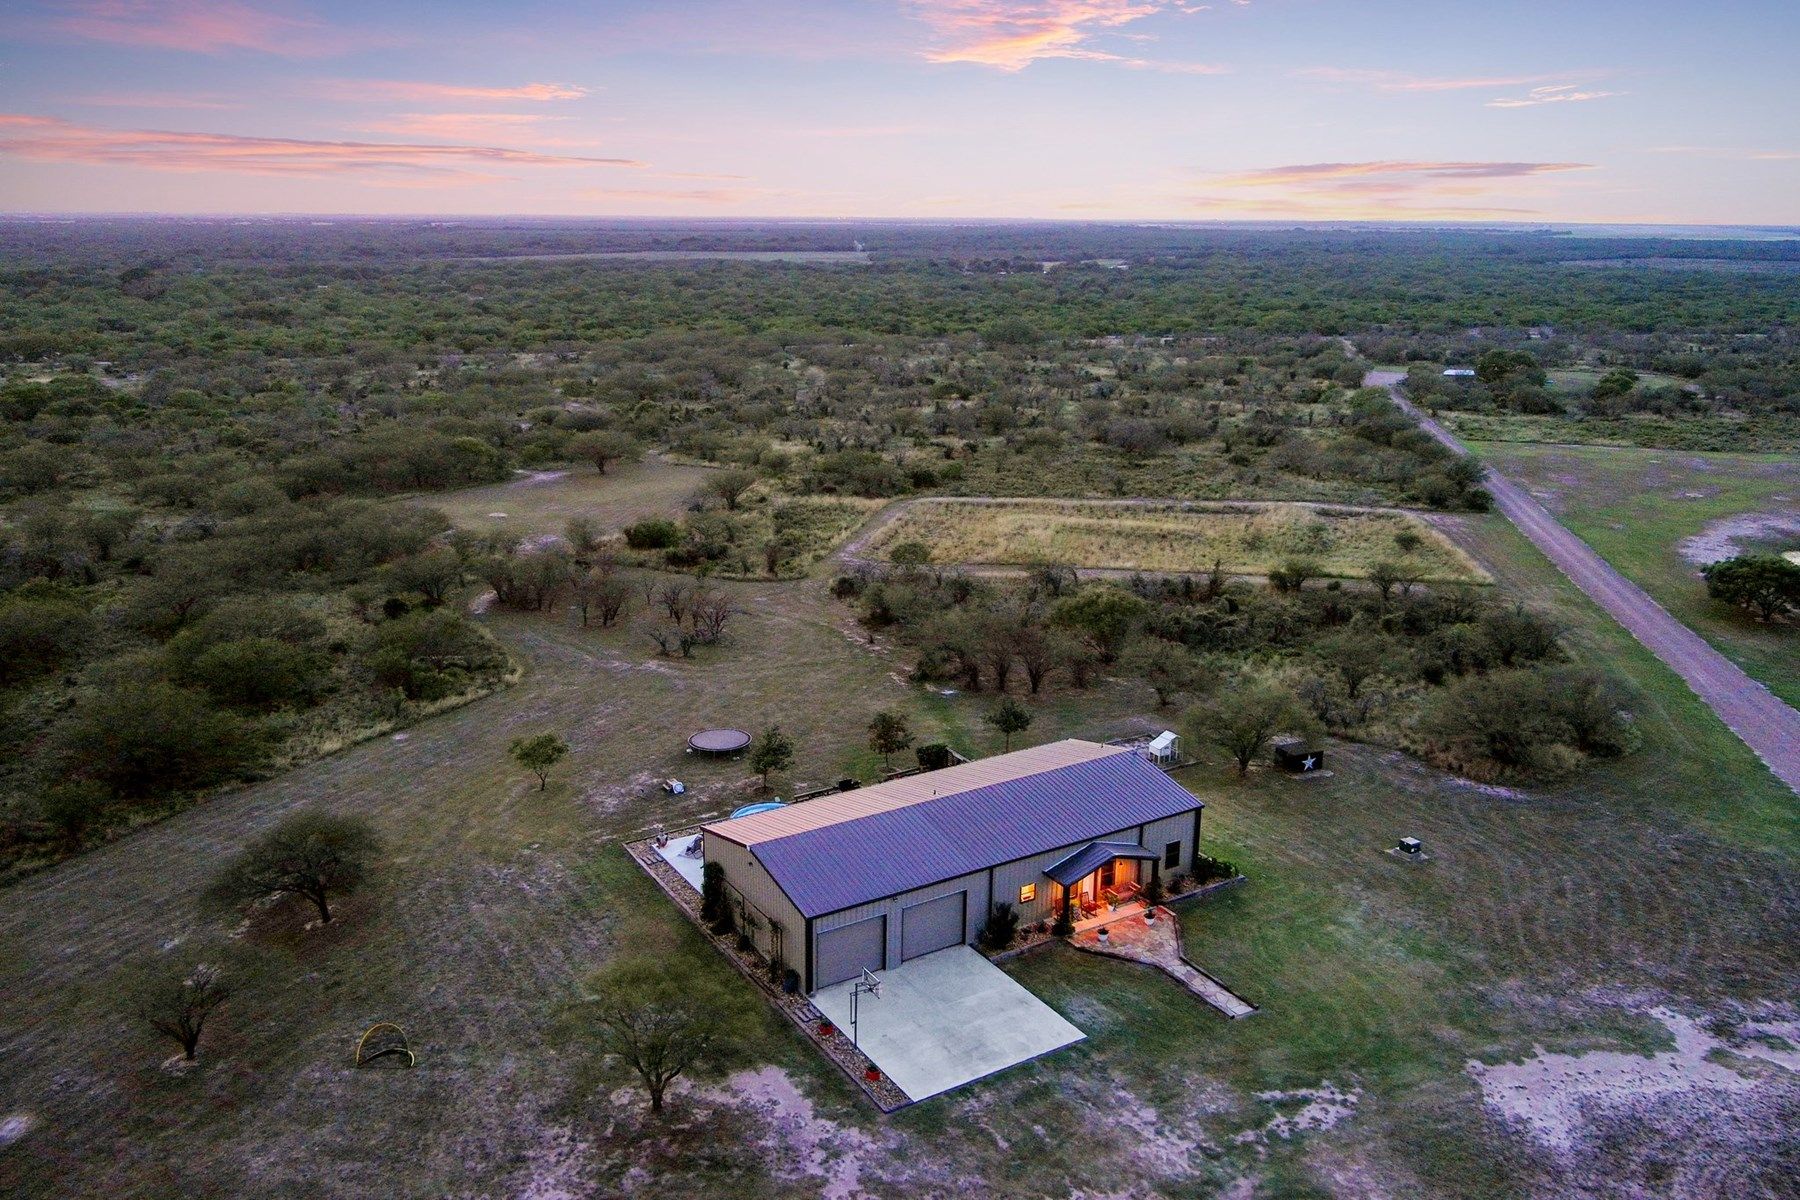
<point>750,810</point>
<point>719,741</point>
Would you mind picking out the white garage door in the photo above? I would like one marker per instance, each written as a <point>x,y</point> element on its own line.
<point>847,952</point>
<point>933,925</point>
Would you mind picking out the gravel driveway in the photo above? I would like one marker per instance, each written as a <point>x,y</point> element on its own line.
<point>1767,725</point>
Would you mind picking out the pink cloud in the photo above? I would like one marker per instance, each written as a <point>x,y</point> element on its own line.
<point>1412,189</point>
<point>395,89</point>
<point>1399,81</point>
<point>1010,35</point>
<point>1393,173</point>
<point>1562,93</point>
<point>465,125</point>
<point>166,100</point>
<point>200,26</point>
<point>48,139</point>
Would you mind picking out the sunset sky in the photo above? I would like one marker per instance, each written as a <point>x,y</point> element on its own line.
<point>1584,110</point>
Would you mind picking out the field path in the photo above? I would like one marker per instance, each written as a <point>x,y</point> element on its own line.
<point>1754,713</point>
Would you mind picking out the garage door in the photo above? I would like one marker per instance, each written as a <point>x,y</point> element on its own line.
<point>933,925</point>
<point>845,953</point>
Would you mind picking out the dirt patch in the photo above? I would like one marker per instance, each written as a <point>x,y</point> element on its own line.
<point>557,1168</point>
<point>14,1127</point>
<point>1320,1108</point>
<point>800,1144</point>
<point>536,479</point>
<point>1728,536</point>
<point>1557,1098</point>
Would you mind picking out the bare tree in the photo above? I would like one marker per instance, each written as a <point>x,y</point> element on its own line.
<point>176,994</point>
<point>1037,653</point>
<point>602,594</point>
<point>711,612</point>
<point>676,599</point>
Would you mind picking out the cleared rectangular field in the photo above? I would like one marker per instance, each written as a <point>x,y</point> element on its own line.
<point>1165,536</point>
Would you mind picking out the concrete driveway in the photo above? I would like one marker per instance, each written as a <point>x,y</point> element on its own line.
<point>946,1019</point>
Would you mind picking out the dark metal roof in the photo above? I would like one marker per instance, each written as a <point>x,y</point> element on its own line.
<point>883,854</point>
<point>1091,858</point>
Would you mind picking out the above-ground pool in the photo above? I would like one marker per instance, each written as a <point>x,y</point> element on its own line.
<point>761,806</point>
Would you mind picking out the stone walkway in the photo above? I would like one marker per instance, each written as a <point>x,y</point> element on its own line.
<point>1158,944</point>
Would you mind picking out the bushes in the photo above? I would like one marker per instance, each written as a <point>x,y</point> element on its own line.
<point>148,738</point>
<point>1208,869</point>
<point>429,655</point>
<point>1000,929</point>
<point>653,533</point>
<point>1537,721</point>
<point>933,756</point>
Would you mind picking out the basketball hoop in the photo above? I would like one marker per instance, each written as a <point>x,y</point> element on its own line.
<point>869,985</point>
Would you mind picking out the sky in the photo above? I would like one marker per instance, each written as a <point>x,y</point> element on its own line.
<point>1653,111</point>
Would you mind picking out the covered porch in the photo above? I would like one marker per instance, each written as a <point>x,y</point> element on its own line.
<point>1102,882</point>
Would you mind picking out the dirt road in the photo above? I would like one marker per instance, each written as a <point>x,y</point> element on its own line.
<point>1767,725</point>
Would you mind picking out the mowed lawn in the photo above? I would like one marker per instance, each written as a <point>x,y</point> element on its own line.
<point>1635,507</point>
<point>1161,536</point>
<point>536,503</point>
<point>1540,917</point>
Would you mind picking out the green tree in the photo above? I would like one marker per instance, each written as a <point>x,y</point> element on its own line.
<point>888,735</point>
<point>1243,716</point>
<point>1009,717</point>
<point>312,855</point>
<point>1168,667</point>
<point>661,1024</point>
<point>1102,613</point>
<point>730,485</point>
<point>258,674</point>
<point>1768,583</point>
<point>912,553</point>
<point>434,574</point>
<point>144,738</point>
<point>605,446</point>
<point>539,754</point>
<point>772,751</point>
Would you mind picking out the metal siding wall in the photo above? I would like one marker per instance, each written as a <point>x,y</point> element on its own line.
<point>1158,834</point>
<point>1007,879</point>
<point>975,885</point>
<point>1012,876</point>
<point>744,873</point>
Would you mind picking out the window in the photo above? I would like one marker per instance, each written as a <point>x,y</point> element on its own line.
<point>1027,893</point>
<point>1172,854</point>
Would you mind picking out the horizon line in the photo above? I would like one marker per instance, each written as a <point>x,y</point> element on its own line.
<point>97,214</point>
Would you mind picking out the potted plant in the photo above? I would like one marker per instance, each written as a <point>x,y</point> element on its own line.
<point>1102,935</point>
<point>1150,915</point>
<point>826,1029</point>
<point>872,1073</point>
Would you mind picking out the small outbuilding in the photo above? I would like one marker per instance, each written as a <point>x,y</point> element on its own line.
<point>1459,373</point>
<point>1298,758</point>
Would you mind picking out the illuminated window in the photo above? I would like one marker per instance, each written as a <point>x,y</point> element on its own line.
<point>1027,893</point>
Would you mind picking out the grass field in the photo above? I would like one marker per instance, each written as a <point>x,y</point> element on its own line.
<point>1152,536</point>
<point>1546,918</point>
<point>1635,507</point>
<point>1762,434</point>
<point>541,502</point>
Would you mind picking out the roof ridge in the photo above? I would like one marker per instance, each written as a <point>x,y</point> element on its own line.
<point>910,790</point>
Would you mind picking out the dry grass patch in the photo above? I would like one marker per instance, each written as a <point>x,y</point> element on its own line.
<point>1153,536</point>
